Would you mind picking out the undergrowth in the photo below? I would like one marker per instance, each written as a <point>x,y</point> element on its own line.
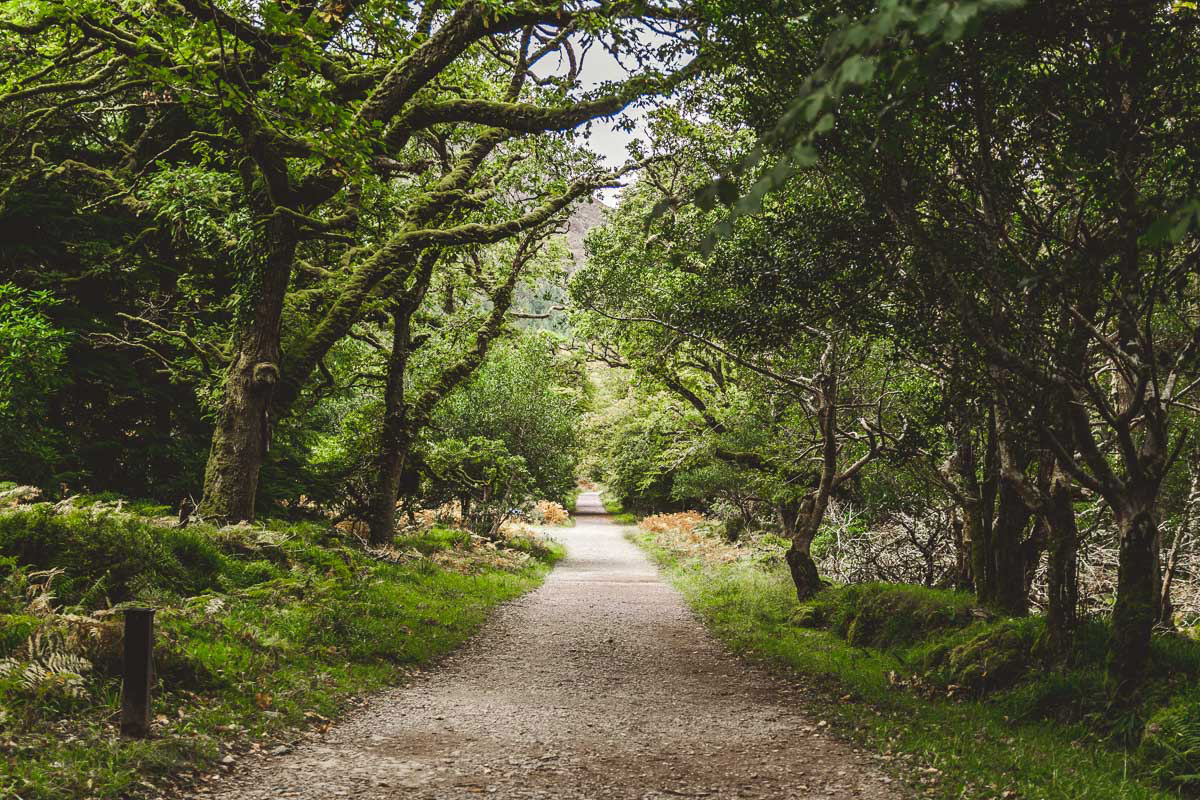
<point>962,701</point>
<point>258,630</point>
<point>613,506</point>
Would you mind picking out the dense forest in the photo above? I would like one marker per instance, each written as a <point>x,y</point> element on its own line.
<point>315,315</point>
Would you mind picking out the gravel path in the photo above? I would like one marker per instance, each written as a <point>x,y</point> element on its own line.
<point>600,684</point>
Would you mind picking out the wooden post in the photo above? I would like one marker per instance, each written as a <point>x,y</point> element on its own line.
<point>139,672</point>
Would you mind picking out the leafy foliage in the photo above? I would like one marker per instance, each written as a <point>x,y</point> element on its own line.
<point>32,352</point>
<point>291,621</point>
<point>489,482</point>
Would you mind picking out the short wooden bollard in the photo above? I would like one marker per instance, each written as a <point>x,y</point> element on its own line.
<point>139,672</point>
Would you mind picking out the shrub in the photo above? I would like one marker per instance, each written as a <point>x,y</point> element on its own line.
<point>490,481</point>
<point>109,558</point>
<point>889,616</point>
<point>1170,748</point>
<point>681,522</point>
<point>547,512</point>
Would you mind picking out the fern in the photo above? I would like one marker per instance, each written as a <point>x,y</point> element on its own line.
<point>45,662</point>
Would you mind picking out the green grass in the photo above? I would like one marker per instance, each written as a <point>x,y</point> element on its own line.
<point>571,499</point>
<point>258,632</point>
<point>960,746</point>
<point>613,506</point>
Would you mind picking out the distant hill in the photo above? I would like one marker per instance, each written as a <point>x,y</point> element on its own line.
<point>585,217</point>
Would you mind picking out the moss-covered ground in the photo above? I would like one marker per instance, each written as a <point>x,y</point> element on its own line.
<point>260,630</point>
<point>960,700</point>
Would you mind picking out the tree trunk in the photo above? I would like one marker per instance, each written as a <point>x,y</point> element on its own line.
<point>977,500</point>
<point>1007,559</point>
<point>809,513</point>
<point>1134,611</point>
<point>242,434</point>
<point>394,438</point>
<point>1062,542</point>
<point>1009,556</point>
<point>796,524</point>
<point>961,579</point>
<point>803,569</point>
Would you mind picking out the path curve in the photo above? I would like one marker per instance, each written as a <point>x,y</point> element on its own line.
<point>600,684</point>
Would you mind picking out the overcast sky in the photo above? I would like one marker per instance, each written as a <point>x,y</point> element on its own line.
<point>605,137</point>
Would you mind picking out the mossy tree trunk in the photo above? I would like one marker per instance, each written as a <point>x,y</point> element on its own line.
<point>996,516</point>
<point>1008,591</point>
<point>1136,606</point>
<point>242,435</point>
<point>973,485</point>
<point>962,580</point>
<point>796,523</point>
<point>807,514</point>
<point>1062,543</point>
<point>1011,537</point>
<point>395,439</point>
<point>802,568</point>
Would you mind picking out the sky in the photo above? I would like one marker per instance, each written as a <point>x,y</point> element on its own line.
<point>605,137</point>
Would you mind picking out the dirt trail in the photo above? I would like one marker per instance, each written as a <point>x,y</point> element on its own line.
<point>600,684</point>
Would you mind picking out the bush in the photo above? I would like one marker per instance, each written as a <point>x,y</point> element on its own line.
<point>1170,748</point>
<point>547,512</point>
<point>109,558</point>
<point>489,480</point>
<point>683,522</point>
<point>889,616</point>
<point>994,658</point>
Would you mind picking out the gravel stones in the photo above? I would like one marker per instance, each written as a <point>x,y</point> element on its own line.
<point>600,684</point>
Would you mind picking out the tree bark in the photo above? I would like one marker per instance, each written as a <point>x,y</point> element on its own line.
<point>1007,560</point>
<point>242,435</point>
<point>797,522</point>
<point>1137,600</point>
<point>803,569</point>
<point>962,562</point>
<point>395,440</point>
<point>1062,541</point>
<point>807,515</point>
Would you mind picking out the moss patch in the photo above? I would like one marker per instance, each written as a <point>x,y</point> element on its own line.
<point>961,704</point>
<point>259,629</point>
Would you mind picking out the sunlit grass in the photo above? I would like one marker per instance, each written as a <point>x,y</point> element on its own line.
<point>276,637</point>
<point>943,747</point>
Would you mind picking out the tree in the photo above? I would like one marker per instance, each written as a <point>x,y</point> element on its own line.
<point>686,320</point>
<point>32,352</point>
<point>531,396</point>
<point>489,482</point>
<point>1039,183</point>
<point>324,114</point>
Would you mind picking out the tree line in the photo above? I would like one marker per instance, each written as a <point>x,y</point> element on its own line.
<point>230,227</point>
<point>906,255</point>
<point>925,252</point>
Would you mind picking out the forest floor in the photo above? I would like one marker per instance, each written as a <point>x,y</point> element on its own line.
<point>600,684</point>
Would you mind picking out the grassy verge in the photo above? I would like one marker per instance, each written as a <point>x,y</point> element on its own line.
<point>613,506</point>
<point>947,741</point>
<point>260,630</point>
